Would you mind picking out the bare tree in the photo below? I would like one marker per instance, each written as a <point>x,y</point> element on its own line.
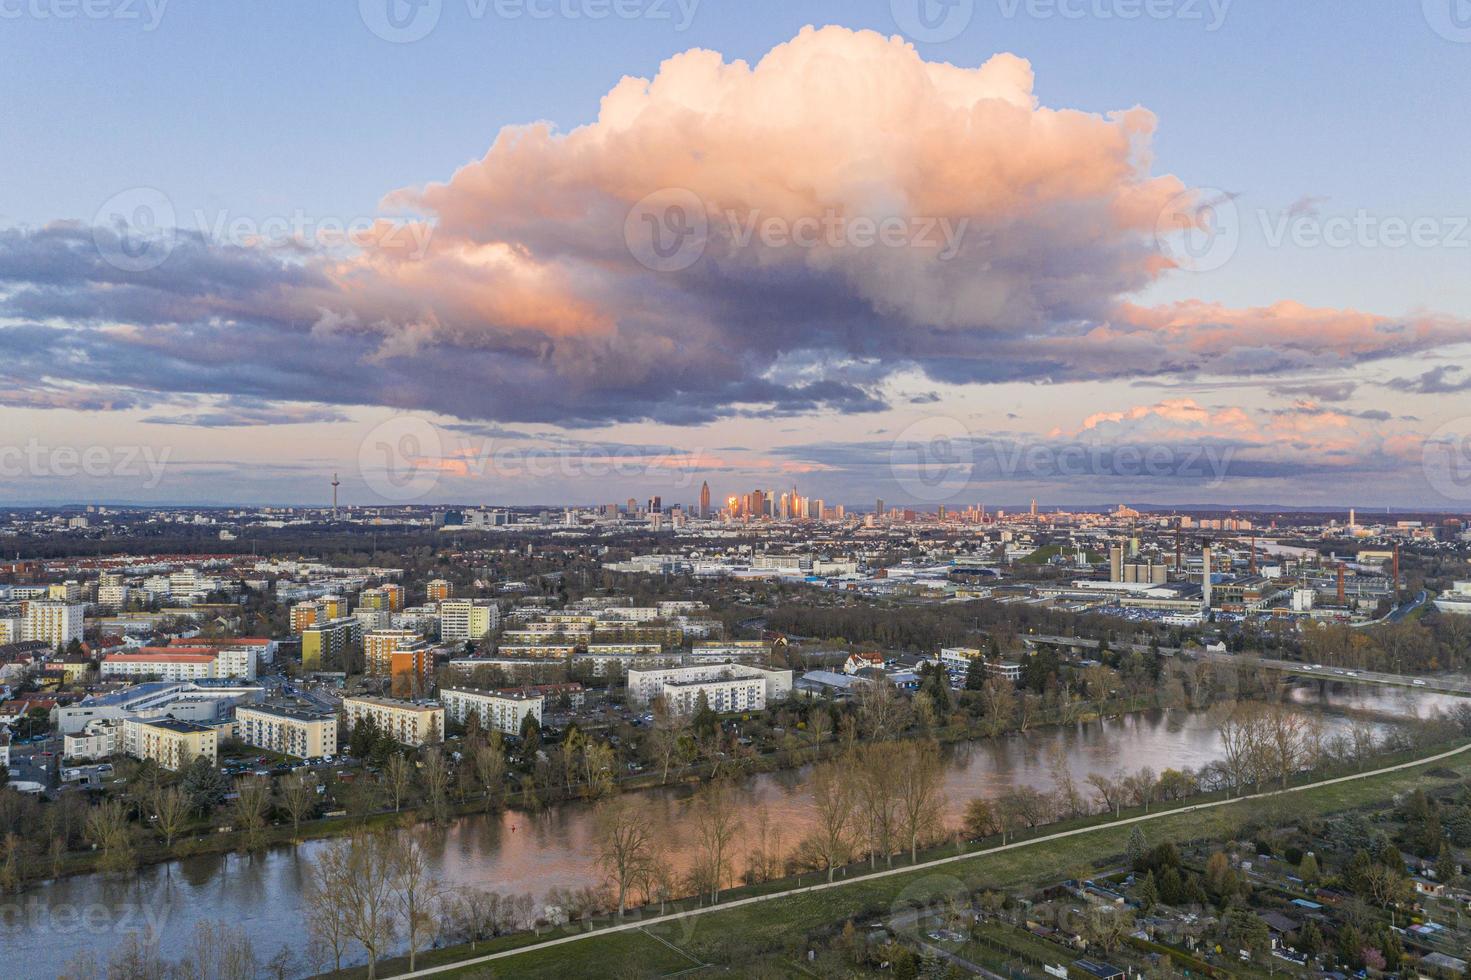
<point>881,709</point>
<point>1023,804</point>
<point>920,781</point>
<point>819,725</point>
<point>252,800</point>
<point>998,703</point>
<point>171,809</point>
<point>1142,787</point>
<point>298,797</point>
<point>217,951</point>
<point>326,920</point>
<point>716,826</point>
<point>1069,799</point>
<point>356,874</point>
<point>107,828</point>
<point>625,844</point>
<point>489,762</point>
<point>835,795</point>
<point>877,782</point>
<point>436,776</point>
<point>398,777</point>
<point>1109,790</point>
<point>415,891</point>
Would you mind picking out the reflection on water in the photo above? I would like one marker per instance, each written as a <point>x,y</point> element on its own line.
<point>515,852</point>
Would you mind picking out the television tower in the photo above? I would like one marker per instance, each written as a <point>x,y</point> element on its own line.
<point>335,484</point>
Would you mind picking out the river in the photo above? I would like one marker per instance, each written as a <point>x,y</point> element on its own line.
<point>515,852</point>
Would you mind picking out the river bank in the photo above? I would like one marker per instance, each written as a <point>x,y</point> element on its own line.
<point>514,851</point>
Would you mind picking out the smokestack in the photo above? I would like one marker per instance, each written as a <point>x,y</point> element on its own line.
<point>1179,554</point>
<point>1253,552</point>
<point>1205,579</point>
<point>1342,594</point>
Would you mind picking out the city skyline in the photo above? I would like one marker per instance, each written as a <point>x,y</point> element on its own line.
<point>1131,309</point>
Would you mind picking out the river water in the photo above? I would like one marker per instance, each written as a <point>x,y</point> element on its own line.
<point>515,852</point>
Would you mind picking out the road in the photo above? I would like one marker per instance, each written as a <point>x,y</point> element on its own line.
<point>686,915</point>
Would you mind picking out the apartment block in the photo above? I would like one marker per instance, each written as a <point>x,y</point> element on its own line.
<point>504,712</point>
<point>466,619</point>
<point>291,731</point>
<point>412,723</point>
<point>727,687</point>
<point>172,744</point>
<point>53,623</point>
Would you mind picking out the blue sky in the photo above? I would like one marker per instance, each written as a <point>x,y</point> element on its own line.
<point>260,109</point>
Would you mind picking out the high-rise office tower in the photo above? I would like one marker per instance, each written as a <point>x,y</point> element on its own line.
<point>705,499</point>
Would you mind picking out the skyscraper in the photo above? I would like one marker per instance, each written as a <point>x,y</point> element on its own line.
<point>705,499</point>
<point>879,510</point>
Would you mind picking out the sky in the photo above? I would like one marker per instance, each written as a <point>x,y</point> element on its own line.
<point>575,251</point>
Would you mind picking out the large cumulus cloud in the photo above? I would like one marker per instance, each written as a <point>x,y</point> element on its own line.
<point>523,300</point>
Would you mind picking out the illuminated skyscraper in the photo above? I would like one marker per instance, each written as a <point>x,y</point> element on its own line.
<point>705,499</point>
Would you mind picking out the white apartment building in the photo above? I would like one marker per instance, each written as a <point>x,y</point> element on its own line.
<point>100,739</point>
<point>288,730</point>
<point>11,630</point>
<point>161,666</point>
<point>500,711</point>
<point>112,596</point>
<point>54,623</point>
<point>412,723</point>
<point>467,619</point>
<point>727,687</point>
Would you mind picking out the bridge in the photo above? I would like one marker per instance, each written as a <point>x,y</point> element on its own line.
<point>1344,675</point>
